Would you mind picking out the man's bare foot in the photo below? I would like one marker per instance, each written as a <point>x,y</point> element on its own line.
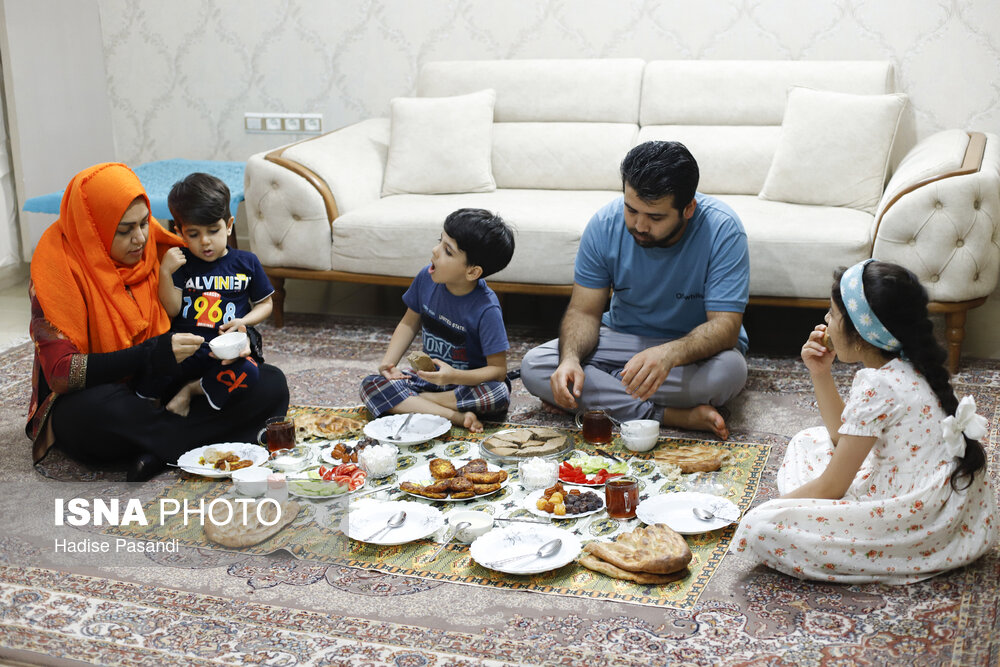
<point>698,418</point>
<point>180,404</point>
<point>467,420</point>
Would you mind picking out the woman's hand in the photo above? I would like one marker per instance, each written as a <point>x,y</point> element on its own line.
<point>444,374</point>
<point>816,356</point>
<point>390,372</point>
<point>184,345</point>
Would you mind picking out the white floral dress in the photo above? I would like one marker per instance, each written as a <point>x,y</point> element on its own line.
<point>900,521</point>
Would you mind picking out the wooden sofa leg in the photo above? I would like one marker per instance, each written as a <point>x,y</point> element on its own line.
<point>278,301</point>
<point>954,331</point>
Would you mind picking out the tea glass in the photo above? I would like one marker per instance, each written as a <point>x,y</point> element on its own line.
<point>278,433</point>
<point>621,496</point>
<point>595,425</point>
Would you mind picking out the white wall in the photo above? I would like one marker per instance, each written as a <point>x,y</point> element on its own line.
<point>182,73</point>
<point>56,93</point>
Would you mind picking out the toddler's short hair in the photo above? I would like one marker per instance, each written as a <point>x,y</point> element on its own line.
<point>199,199</point>
<point>484,237</point>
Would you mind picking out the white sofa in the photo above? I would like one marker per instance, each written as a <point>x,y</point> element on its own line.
<point>561,127</point>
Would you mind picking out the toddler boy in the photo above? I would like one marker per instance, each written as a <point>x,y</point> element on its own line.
<point>461,327</point>
<point>208,289</point>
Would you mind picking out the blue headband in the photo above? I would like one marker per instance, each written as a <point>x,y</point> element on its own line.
<point>852,291</point>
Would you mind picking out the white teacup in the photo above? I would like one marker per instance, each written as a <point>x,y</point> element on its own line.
<point>228,345</point>
<point>480,523</point>
<point>251,481</point>
<point>640,435</point>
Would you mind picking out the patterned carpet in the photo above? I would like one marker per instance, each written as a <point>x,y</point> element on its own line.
<point>203,606</point>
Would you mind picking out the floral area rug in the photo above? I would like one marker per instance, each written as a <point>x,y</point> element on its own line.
<point>202,606</point>
<point>315,534</point>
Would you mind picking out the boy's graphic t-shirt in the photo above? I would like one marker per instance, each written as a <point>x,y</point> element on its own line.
<point>219,291</point>
<point>459,330</point>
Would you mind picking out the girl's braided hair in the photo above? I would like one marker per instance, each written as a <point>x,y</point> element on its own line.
<point>900,302</point>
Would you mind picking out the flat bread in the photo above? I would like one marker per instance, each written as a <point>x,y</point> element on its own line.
<point>655,549</point>
<point>526,442</point>
<point>421,361</point>
<point>236,534</point>
<point>592,562</point>
<point>325,425</point>
<point>692,458</point>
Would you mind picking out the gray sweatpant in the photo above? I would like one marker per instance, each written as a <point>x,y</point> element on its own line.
<point>713,381</point>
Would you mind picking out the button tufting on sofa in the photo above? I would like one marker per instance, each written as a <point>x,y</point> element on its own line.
<point>959,243</point>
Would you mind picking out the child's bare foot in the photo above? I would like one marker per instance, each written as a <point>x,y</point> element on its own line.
<point>467,420</point>
<point>698,418</point>
<point>180,404</point>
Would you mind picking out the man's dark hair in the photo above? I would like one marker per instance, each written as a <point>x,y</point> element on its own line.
<point>199,199</point>
<point>656,169</point>
<point>485,238</point>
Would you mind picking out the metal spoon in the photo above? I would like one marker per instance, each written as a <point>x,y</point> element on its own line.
<point>395,521</point>
<point>462,525</point>
<point>544,551</point>
<point>395,436</point>
<point>704,515</point>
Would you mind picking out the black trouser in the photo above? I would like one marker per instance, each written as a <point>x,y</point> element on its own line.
<point>109,423</point>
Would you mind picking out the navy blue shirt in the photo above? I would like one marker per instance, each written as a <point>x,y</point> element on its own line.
<point>217,292</point>
<point>459,330</point>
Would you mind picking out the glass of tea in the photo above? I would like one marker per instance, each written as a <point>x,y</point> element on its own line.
<point>278,433</point>
<point>595,425</point>
<point>621,495</point>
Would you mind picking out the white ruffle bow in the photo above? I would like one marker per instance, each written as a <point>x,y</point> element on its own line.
<point>965,421</point>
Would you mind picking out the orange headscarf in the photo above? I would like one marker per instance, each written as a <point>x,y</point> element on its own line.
<point>81,289</point>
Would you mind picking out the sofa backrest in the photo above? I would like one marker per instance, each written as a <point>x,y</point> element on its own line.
<point>558,124</point>
<point>728,113</point>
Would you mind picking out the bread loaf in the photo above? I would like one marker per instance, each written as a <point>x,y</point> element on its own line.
<point>421,361</point>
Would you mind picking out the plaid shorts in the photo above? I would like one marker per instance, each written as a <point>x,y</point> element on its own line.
<point>381,395</point>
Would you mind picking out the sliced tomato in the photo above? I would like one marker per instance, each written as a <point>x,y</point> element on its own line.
<point>355,484</point>
<point>345,469</point>
<point>323,470</point>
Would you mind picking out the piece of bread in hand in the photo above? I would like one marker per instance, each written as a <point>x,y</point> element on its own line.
<point>421,361</point>
<point>827,341</point>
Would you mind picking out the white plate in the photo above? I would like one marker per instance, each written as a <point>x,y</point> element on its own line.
<point>508,542</point>
<point>420,429</point>
<point>421,520</point>
<point>675,510</point>
<point>189,461</point>
<point>530,504</point>
<point>422,475</point>
<point>291,489</point>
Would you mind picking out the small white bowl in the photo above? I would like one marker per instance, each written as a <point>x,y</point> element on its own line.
<point>480,524</point>
<point>251,481</point>
<point>228,345</point>
<point>640,427</point>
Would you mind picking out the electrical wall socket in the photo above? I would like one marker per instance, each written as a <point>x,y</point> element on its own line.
<point>288,123</point>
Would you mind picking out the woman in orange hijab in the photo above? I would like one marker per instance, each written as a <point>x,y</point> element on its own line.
<point>97,324</point>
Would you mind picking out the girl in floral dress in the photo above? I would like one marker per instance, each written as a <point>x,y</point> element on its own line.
<point>894,487</point>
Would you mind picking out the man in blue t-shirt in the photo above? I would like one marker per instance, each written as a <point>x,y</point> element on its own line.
<point>671,345</point>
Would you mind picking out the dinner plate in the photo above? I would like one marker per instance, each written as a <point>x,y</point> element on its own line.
<point>422,475</point>
<point>422,427</point>
<point>190,461</point>
<point>500,458</point>
<point>531,504</point>
<point>675,510</point>
<point>517,540</point>
<point>421,521</point>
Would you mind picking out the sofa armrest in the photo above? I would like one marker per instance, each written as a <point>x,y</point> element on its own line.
<point>940,213</point>
<point>304,187</point>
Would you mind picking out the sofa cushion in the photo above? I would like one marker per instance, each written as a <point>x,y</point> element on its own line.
<point>394,235</point>
<point>441,144</point>
<point>794,248</point>
<point>588,90</point>
<point>560,156</point>
<point>834,148</point>
<point>732,159</point>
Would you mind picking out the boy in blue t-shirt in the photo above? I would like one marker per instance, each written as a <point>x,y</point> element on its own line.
<point>461,327</point>
<point>208,289</point>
